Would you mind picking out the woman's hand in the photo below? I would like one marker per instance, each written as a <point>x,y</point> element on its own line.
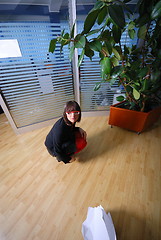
<point>83,133</point>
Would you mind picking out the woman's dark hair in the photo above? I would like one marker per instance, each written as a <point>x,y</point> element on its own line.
<point>69,107</point>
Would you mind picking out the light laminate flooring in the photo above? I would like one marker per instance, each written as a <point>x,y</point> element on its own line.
<point>41,199</point>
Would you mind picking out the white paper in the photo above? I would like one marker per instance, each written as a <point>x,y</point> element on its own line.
<point>109,226</point>
<point>98,225</point>
<point>9,48</point>
<point>45,80</point>
<point>46,84</point>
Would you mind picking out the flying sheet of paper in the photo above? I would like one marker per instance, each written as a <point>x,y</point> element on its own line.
<point>9,48</point>
<point>98,225</point>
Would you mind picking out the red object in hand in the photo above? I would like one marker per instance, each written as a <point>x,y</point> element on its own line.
<point>80,142</point>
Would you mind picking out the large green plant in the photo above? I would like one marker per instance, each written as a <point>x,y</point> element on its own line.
<point>138,67</point>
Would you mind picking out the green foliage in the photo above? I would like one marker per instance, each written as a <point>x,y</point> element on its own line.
<point>117,15</point>
<point>156,13</point>
<point>97,86</point>
<point>52,45</point>
<point>137,68</point>
<point>142,32</point>
<point>90,20</point>
<point>80,41</point>
<point>120,98</point>
<point>105,67</point>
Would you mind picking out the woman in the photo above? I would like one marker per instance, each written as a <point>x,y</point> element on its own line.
<point>65,139</point>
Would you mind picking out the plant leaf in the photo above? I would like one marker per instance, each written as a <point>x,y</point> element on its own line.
<point>131,25</point>
<point>155,75</point>
<point>98,5</point>
<point>88,52</point>
<point>116,33</point>
<point>112,81</point>
<point>52,45</point>
<point>66,36</point>
<point>120,98</point>
<point>97,86</point>
<point>81,58</point>
<point>128,10</point>
<point>143,19</point>
<point>72,31</point>
<point>142,73</point>
<point>105,67</point>
<point>93,32</point>
<point>102,14</point>
<point>64,39</point>
<point>117,15</point>
<point>109,47</point>
<point>90,20</point>
<point>115,61</point>
<point>156,13</point>
<point>129,89</point>
<point>116,53</point>
<point>95,45</point>
<point>131,33</point>
<point>142,32</point>
<point>136,94</point>
<point>106,34</point>
<point>116,71</point>
<point>145,84</point>
<point>80,41</point>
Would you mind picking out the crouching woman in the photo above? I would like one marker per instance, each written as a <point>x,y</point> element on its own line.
<point>65,139</point>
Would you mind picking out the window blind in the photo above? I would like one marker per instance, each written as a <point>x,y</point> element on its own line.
<point>90,75</point>
<point>35,86</point>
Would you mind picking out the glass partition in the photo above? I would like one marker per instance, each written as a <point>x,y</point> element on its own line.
<point>35,85</point>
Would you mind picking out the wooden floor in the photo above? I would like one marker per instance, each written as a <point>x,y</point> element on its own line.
<point>42,199</point>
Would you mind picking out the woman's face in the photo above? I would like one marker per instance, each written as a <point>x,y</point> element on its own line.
<point>73,116</point>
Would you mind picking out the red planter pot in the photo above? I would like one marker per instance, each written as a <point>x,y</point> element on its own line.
<point>133,120</point>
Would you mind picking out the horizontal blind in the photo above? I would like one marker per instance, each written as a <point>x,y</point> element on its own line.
<point>35,86</point>
<point>90,75</point>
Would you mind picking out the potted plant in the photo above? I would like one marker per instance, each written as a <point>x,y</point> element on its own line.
<point>136,67</point>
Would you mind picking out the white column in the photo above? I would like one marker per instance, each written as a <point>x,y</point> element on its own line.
<point>72,19</point>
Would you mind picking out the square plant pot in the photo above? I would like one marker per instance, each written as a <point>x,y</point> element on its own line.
<point>133,120</point>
